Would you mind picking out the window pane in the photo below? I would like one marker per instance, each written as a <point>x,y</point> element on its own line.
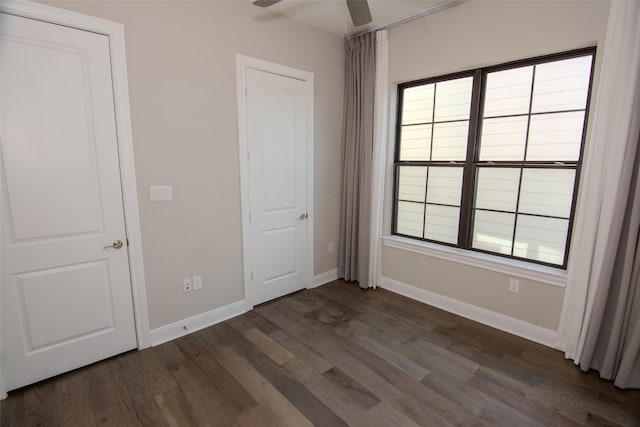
<point>503,139</point>
<point>497,189</point>
<point>547,192</point>
<point>441,223</point>
<point>508,92</point>
<point>417,104</point>
<point>453,99</point>
<point>412,181</point>
<point>410,218</point>
<point>555,137</point>
<point>561,85</point>
<point>415,142</point>
<point>541,239</point>
<point>450,141</point>
<point>444,185</point>
<point>493,231</point>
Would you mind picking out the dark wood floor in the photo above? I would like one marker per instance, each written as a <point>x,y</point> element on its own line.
<point>331,356</point>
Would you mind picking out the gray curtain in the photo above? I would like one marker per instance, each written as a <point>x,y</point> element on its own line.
<point>612,335</point>
<point>357,152</point>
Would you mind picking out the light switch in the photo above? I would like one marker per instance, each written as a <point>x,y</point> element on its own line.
<point>160,192</point>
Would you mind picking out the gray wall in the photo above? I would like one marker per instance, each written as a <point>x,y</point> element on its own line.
<point>181,68</point>
<point>475,34</point>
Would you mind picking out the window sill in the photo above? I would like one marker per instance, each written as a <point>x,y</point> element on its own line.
<point>522,269</point>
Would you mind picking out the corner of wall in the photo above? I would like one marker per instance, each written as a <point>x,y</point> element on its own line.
<point>324,278</point>
<point>490,318</point>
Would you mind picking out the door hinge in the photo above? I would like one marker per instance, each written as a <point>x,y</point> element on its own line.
<point>246,91</point>
<point>127,242</point>
<point>252,275</point>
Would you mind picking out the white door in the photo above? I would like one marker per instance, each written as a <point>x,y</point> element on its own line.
<point>277,142</point>
<point>65,290</point>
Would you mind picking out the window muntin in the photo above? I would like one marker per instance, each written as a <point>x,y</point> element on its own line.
<point>500,177</point>
<point>433,138</point>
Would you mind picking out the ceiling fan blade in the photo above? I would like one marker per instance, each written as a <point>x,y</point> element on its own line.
<point>359,11</point>
<point>265,3</point>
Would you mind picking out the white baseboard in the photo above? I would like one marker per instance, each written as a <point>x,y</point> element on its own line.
<point>195,323</point>
<point>324,278</point>
<point>500,321</point>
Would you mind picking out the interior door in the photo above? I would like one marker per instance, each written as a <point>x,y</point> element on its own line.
<point>65,292</point>
<point>277,141</point>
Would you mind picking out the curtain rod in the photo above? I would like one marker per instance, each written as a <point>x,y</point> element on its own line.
<point>437,8</point>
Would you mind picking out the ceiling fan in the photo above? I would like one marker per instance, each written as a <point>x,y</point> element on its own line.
<point>358,9</point>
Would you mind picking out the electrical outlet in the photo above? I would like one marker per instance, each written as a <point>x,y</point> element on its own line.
<point>188,285</point>
<point>197,282</point>
<point>330,247</point>
<point>514,286</point>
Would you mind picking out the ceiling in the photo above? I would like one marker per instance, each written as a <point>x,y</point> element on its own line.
<point>333,16</point>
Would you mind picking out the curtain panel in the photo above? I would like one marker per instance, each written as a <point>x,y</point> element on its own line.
<point>357,153</point>
<point>600,325</point>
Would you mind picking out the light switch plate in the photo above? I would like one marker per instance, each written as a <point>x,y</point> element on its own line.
<point>160,192</point>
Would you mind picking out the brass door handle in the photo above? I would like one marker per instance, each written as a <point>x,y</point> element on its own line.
<point>116,245</point>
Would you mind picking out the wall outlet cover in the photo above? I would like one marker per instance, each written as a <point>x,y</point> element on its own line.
<point>197,282</point>
<point>160,192</point>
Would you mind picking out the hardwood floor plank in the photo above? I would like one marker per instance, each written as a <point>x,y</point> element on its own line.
<point>40,405</point>
<point>176,409</point>
<point>13,411</point>
<point>301,351</point>
<point>596,409</point>
<point>330,351</point>
<point>209,406</point>
<point>384,350</point>
<point>257,385</point>
<point>102,392</point>
<point>218,376</point>
<point>390,373</point>
<point>295,392</point>
<point>335,355</point>
<point>140,377</point>
<point>477,402</point>
<point>268,346</point>
<point>419,413</point>
<point>489,383</point>
<point>72,402</point>
<point>444,361</point>
<point>118,415</point>
<point>387,415</point>
<point>259,416</point>
<point>356,391</point>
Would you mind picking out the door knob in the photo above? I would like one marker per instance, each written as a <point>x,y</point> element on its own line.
<point>116,245</point>
<point>303,216</point>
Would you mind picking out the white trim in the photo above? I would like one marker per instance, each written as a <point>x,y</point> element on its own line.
<point>324,278</point>
<point>511,267</point>
<point>115,32</point>
<point>242,64</point>
<point>381,111</point>
<point>499,321</point>
<point>191,324</point>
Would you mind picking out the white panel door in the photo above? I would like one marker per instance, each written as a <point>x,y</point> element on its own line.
<point>277,141</point>
<point>65,290</point>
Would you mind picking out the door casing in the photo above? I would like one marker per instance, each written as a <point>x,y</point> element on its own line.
<point>115,32</point>
<point>242,64</point>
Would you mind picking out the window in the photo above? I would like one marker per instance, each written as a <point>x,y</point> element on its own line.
<point>489,160</point>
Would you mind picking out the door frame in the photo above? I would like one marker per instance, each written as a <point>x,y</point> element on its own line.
<point>243,63</point>
<point>115,32</point>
